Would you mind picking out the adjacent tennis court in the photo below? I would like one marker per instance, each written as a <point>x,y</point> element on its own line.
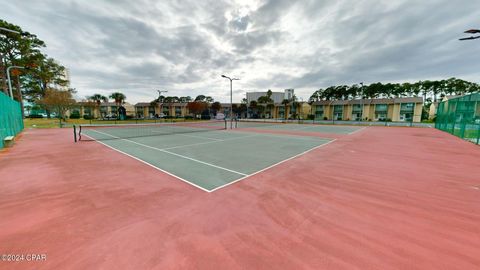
<point>297,127</point>
<point>204,154</point>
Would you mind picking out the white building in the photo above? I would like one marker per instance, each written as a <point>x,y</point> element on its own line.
<point>277,97</point>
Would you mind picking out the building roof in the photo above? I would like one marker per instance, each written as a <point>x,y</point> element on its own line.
<point>340,102</point>
<point>360,101</point>
<point>322,102</point>
<point>409,100</point>
<point>143,104</point>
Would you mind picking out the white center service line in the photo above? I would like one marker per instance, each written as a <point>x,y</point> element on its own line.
<point>171,153</point>
<point>201,143</point>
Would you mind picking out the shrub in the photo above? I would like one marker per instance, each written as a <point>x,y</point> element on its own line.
<point>35,116</point>
<point>311,117</point>
<point>86,117</point>
<point>75,115</point>
<point>325,118</point>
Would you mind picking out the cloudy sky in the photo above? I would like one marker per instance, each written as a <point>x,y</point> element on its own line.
<point>139,46</point>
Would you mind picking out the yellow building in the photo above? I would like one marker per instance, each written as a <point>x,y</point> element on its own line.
<point>297,110</point>
<point>383,109</point>
<point>148,110</point>
<point>105,110</point>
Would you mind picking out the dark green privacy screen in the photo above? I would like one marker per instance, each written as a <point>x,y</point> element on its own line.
<point>460,117</point>
<point>11,121</point>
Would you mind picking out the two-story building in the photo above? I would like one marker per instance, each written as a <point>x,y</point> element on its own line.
<point>382,109</point>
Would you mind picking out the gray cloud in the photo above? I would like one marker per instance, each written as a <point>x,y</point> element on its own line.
<point>184,46</point>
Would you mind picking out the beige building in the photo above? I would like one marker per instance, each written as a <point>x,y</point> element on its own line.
<point>298,110</point>
<point>148,110</point>
<point>393,109</point>
<point>105,110</point>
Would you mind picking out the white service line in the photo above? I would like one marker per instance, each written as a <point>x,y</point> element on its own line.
<point>271,166</point>
<point>171,153</point>
<point>201,137</point>
<point>290,136</point>
<point>146,163</point>
<point>201,143</point>
<point>356,131</point>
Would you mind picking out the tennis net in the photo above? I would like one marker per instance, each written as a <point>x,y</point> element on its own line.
<point>100,132</point>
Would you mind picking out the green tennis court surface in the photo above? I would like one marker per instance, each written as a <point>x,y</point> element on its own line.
<point>298,127</point>
<point>208,160</point>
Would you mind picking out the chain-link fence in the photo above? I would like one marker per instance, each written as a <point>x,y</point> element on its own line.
<point>11,121</point>
<point>460,117</point>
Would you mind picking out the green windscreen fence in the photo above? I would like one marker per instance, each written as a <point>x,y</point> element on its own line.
<point>460,117</point>
<point>11,121</point>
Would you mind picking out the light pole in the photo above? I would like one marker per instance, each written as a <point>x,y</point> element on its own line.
<point>361,102</point>
<point>9,81</point>
<point>160,103</point>
<point>471,31</point>
<point>231,98</point>
<point>1,60</point>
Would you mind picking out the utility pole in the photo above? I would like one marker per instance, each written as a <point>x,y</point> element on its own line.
<point>3,76</point>
<point>160,103</point>
<point>471,31</point>
<point>231,98</point>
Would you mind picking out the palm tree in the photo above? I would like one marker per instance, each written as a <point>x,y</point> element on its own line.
<point>270,107</point>
<point>285,103</point>
<point>209,99</point>
<point>252,106</point>
<point>158,102</point>
<point>296,105</point>
<point>118,97</point>
<point>265,101</point>
<point>98,99</point>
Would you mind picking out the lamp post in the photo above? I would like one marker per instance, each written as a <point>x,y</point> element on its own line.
<point>9,81</point>
<point>471,31</point>
<point>361,102</point>
<point>231,98</point>
<point>160,103</point>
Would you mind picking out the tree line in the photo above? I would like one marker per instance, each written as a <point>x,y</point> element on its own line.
<point>430,90</point>
<point>38,74</point>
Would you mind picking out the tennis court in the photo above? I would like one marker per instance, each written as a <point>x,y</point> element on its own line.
<point>204,154</point>
<point>297,127</point>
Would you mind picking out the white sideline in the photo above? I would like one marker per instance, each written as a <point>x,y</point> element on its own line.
<point>271,166</point>
<point>171,153</point>
<point>244,176</point>
<point>151,165</point>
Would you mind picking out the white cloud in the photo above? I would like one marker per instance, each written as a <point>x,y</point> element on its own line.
<point>183,46</point>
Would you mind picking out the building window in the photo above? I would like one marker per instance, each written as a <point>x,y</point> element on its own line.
<point>357,112</point>
<point>178,110</point>
<point>87,111</point>
<point>151,111</point>
<point>406,117</point>
<point>319,111</point>
<point>380,116</point>
<point>103,111</point>
<point>337,112</point>
<point>381,108</point>
<point>281,112</point>
<point>139,112</point>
